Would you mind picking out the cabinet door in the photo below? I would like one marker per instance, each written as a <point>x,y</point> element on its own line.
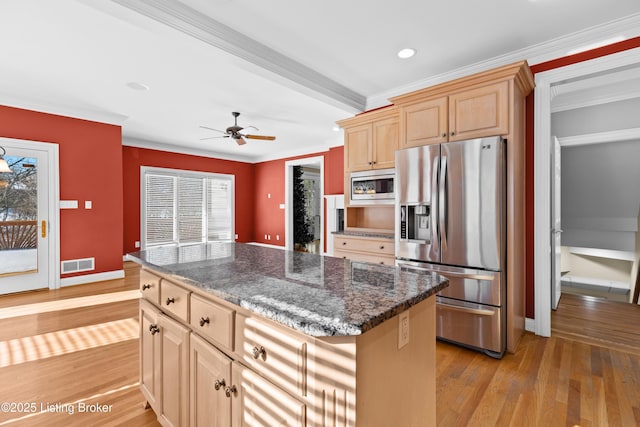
<point>258,403</point>
<point>385,143</point>
<point>175,372</point>
<point>479,112</point>
<point>150,349</point>
<point>210,375</point>
<point>357,148</point>
<point>424,123</point>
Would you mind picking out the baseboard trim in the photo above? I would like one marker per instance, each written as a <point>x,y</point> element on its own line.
<point>529,325</point>
<point>89,278</point>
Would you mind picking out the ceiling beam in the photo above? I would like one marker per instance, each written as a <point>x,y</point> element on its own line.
<point>191,22</point>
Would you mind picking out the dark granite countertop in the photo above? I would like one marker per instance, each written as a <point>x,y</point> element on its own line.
<point>317,295</point>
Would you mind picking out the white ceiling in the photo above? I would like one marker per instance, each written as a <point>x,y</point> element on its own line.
<point>291,68</point>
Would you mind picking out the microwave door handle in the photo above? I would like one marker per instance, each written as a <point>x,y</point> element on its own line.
<point>442,184</point>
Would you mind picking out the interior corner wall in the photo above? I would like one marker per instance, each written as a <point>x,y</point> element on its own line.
<point>90,157</point>
<point>134,158</point>
<point>539,68</point>
<point>270,193</point>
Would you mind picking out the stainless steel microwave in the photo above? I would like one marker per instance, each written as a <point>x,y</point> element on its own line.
<point>372,187</point>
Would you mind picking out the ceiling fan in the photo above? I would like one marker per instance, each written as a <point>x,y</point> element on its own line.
<point>234,132</point>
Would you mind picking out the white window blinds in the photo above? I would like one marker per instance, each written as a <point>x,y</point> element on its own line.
<point>183,207</point>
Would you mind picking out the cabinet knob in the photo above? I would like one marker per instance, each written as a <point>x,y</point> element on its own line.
<point>219,384</point>
<point>146,286</point>
<point>444,134</point>
<point>344,243</point>
<point>258,352</point>
<point>382,247</point>
<point>170,301</point>
<point>204,320</point>
<point>230,390</point>
<point>370,163</point>
<point>452,133</point>
<point>154,329</point>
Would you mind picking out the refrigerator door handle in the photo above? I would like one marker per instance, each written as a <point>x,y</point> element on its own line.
<point>442,211</point>
<point>477,311</point>
<point>435,232</point>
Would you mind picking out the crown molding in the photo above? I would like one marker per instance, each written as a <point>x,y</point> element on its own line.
<point>172,148</point>
<point>536,54</point>
<point>593,100</point>
<point>601,137</point>
<point>193,23</point>
<point>41,106</point>
<point>179,149</point>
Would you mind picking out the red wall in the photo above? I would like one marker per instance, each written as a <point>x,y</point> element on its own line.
<point>269,180</point>
<point>90,169</point>
<point>538,68</point>
<point>133,158</point>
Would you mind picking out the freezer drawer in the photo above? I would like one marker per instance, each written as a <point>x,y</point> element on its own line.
<point>466,284</point>
<point>476,325</point>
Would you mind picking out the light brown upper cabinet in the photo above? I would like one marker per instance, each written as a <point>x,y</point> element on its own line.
<point>370,140</point>
<point>473,113</point>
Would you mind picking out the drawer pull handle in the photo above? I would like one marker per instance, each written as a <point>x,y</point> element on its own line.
<point>170,301</point>
<point>258,352</point>
<point>146,286</point>
<point>204,320</point>
<point>230,390</point>
<point>382,247</point>
<point>219,384</point>
<point>154,329</point>
<point>344,243</point>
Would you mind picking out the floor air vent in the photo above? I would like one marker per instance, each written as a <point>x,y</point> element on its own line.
<point>76,265</point>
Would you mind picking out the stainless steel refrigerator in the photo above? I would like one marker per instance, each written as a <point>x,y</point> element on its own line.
<point>450,218</point>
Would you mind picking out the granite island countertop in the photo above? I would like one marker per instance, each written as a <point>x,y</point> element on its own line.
<point>314,294</point>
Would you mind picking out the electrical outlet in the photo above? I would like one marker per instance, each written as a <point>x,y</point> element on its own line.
<point>137,244</point>
<point>403,329</point>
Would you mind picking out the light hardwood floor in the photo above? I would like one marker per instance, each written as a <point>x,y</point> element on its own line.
<point>79,346</point>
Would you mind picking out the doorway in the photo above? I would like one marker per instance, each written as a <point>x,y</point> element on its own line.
<point>312,178</point>
<point>28,220</point>
<point>544,92</point>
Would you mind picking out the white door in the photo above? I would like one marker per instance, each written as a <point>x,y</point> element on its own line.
<point>24,220</point>
<point>556,229</point>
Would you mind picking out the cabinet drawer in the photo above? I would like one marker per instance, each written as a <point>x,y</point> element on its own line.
<point>376,246</point>
<point>365,257</point>
<point>150,286</point>
<point>212,320</point>
<point>174,299</point>
<point>274,352</point>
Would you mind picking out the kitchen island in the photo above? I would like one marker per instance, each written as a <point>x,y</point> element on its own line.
<point>239,334</point>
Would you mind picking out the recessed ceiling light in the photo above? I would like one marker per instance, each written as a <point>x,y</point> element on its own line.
<point>406,53</point>
<point>137,86</point>
<point>596,45</point>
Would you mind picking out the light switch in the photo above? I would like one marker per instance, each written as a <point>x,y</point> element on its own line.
<point>88,204</point>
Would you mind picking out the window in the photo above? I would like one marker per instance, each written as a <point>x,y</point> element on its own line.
<point>184,207</point>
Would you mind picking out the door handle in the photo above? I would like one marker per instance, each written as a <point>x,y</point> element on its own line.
<point>44,229</point>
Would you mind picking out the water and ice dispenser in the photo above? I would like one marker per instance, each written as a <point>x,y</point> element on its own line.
<point>415,222</point>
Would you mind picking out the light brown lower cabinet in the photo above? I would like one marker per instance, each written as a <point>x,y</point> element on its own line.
<point>221,365</point>
<point>164,370</point>
<point>210,383</point>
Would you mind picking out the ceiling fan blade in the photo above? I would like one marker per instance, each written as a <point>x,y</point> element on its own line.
<point>214,137</point>
<point>264,137</point>
<point>240,140</point>
<point>217,130</point>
